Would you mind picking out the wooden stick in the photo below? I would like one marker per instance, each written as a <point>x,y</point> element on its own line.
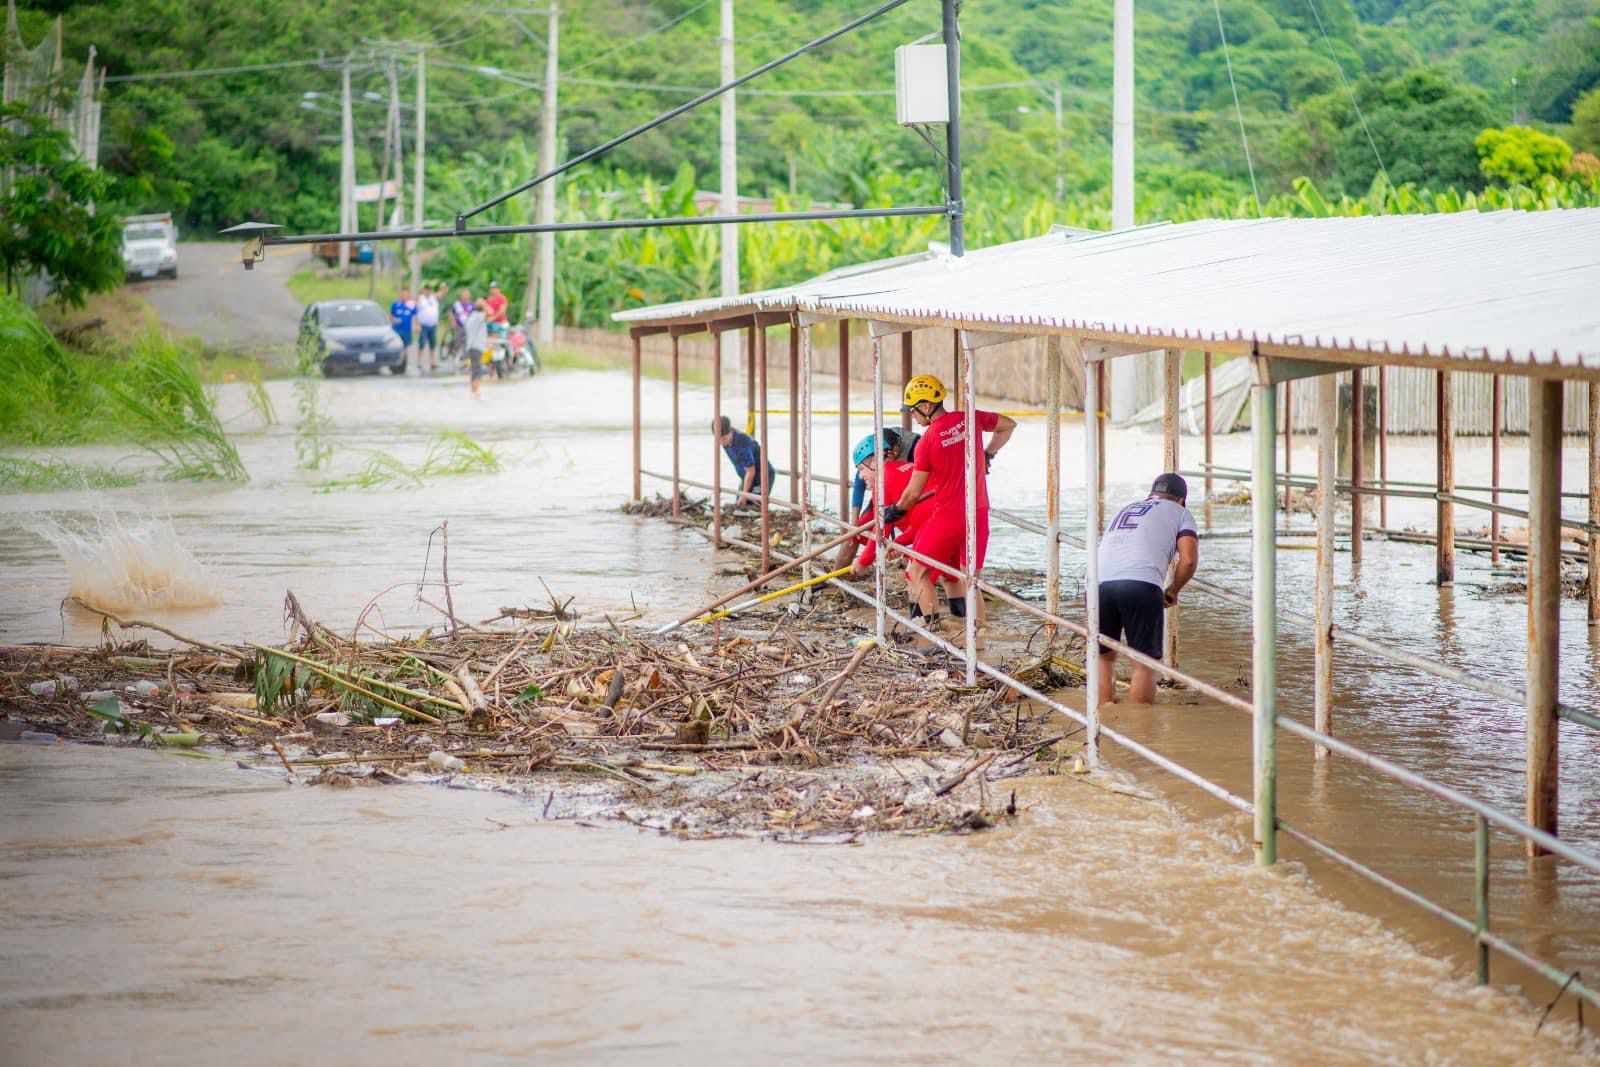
<point>131,624</point>
<point>347,683</point>
<point>950,783</point>
<point>854,531</point>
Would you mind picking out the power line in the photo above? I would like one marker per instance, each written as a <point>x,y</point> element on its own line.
<point>1237,110</point>
<point>201,73</point>
<point>1348,92</point>
<point>642,37</point>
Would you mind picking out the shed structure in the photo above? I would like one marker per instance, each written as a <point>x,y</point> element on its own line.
<point>1502,293</point>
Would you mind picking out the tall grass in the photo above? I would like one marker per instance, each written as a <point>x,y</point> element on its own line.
<point>148,393</point>
<point>19,474</point>
<point>449,453</point>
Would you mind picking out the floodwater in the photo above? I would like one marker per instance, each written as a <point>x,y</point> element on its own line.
<point>165,910</point>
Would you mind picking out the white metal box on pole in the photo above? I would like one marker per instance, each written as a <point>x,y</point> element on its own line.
<point>921,94</point>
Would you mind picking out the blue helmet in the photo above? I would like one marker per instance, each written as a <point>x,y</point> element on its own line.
<point>867,445</point>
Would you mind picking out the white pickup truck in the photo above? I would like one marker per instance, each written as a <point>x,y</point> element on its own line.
<point>149,246</point>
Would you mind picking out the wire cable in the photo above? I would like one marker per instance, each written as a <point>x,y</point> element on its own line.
<point>1349,92</point>
<point>624,46</point>
<point>1237,110</point>
<point>166,74</point>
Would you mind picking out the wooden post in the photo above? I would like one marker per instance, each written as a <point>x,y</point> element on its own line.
<point>905,376</point>
<point>676,474</point>
<point>1210,415</point>
<point>1544,604</point>
<point>1358,448</point>
<point>1445,447</point>
<point>1327,461</point>
<point>794,413</point>
<point>1594,503</point>
<point>716,442</point>
<point>1496,425</point>
<point>1172,387</point>
<point>759,354</point>
<point>638,461</point>
<point>846,475</point>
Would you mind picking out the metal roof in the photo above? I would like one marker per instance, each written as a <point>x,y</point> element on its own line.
<point>1508,287</point>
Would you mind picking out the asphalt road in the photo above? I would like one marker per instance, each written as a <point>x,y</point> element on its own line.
<point>230,309</point>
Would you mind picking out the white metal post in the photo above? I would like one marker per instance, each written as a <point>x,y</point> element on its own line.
<point>969,564</point>
<point>1327,458</point>
<point>1091,550</point>
<point>1052,472</point>
<point>805,443</point>
<point>880,558</point>
<point>1264,590</point>
<point>730,160</point>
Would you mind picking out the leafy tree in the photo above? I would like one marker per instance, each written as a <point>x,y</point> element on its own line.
<point>1518,155</point>
<point>1586,122</point>
<point>47,220</point>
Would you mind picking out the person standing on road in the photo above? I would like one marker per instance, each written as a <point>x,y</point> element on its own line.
<point>427,330</point>
<point>401,314</point>
<point>460,311</point>
<point>1135,552</point>
<point>477,334</point>
<point>941,467</point>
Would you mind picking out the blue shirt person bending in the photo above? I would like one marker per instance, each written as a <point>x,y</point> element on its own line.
<point>744,452</point>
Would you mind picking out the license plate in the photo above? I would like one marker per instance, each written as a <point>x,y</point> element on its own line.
<point>368,357</point>
<point>148,272</point>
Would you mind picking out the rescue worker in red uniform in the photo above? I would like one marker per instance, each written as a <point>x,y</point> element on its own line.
<point>896,476</point>
<point>941,467</point>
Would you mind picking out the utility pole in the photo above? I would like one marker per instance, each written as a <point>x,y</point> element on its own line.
<point>390,126</point>
<point>730,160</point>
<point>547,193</point>
<point>1132,377</point>
<point>952,130</point>
<point>347,176</point>
<point>422,134</point>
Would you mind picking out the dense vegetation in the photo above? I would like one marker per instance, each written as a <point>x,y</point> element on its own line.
<point>1372,104</point>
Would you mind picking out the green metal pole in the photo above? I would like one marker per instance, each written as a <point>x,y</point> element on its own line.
<point>1264,656</point>
<point>1481,893</point>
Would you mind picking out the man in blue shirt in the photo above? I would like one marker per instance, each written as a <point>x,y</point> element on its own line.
<point>745,453</point>
<point>401,312</point>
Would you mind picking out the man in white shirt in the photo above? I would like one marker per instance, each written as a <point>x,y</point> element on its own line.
<point>1135,551</point>
<point>428,334</point>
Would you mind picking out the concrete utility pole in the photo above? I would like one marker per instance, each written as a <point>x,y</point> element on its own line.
<point>390,126</point>
<point>730,160</point>
<point>347,176</point>
<point>951,33</point>
<point>416,202</point>
<point>1131,378</point>
<point>547,193</point>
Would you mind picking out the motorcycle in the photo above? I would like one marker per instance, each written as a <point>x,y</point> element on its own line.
<point>513,352</point>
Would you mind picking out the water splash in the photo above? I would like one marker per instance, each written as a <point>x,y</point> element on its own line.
<point>122,563</point>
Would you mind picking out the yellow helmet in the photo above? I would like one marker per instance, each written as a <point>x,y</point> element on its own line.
<point>923,387</point>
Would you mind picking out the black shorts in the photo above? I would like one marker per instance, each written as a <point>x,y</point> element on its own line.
<point>1134,609</point>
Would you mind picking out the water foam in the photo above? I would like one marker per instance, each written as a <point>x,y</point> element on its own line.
<point>129,563</point>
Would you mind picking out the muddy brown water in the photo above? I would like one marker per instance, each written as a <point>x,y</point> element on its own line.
<point>180,907</point>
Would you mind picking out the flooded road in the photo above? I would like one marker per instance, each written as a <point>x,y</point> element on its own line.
<point>182,903</point>
<point>166,911</point>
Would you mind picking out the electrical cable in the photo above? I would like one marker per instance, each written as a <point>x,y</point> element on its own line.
<point>1349,92</point>
<point>1237,110</point>
<point>642,37</point>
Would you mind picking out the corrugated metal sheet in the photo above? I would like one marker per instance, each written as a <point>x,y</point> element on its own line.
<point>1411,403</point>
<point>1507,287</point>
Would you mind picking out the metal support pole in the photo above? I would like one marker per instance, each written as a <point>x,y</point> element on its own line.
<point>805,439</point>
<point>1358,452</point>
<point>846,478</point>
<point>1383,443</point>
<point>1544,604</point>
<point>677,436</point>
<point>1264,589</point>
<point>1445,450</point>
<point>758,352</point>
<point>750,380</point>
<point>958,394</point>
<point>1288,450</point>
<point>1092,403</point>
<point>1327,461</point>
<point>1594,502</point>
<point>1496,425</point>
<point>1210,433</point>
<point>1102,416</point>
<point>1480,892</point>
<point>1172,386</point>
<point>952,131</point>
<point>638,456</point>
<point>716,441</point>
<point>881,556</point>
<point>969,562</point>
<point>1052,477</point>
<point>905,376</point>
<point>794,413</point>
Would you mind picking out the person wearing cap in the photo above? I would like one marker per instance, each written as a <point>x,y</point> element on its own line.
<point>904,448</point>
<point>744,452</point>
<point>496,302</point>
<point>940,466</point>
<point>859,554</point>
<point>1135,552</point>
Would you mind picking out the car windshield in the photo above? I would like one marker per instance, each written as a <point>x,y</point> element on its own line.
<point>144,233</point>
<point>354,315</point>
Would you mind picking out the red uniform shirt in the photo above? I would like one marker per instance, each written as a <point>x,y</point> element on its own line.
<point>942,453</point>
<point>896,476</point>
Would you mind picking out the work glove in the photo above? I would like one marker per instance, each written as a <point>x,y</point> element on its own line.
<point>892,513</point>
<point>988,462</point>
